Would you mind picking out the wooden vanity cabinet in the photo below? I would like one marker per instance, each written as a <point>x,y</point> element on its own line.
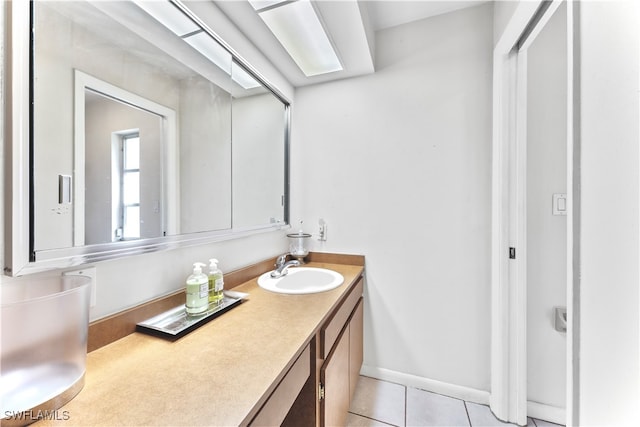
<point>321,383</point>
<point>342,349</point>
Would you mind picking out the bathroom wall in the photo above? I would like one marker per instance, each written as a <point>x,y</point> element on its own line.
<point>609,63</point>
<point>546,233</point>
<point>399,166</point>
<point>130,281</point>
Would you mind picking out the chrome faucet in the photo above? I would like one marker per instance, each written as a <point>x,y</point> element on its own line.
<point>282,265</point>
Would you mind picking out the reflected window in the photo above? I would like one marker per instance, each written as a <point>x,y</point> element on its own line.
<point>127,202</point>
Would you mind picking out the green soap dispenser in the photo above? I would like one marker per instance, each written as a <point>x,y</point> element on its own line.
<point>216,283</point>
<point>197,291</point>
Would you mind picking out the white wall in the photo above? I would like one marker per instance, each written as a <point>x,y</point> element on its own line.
<point>609,36</point>
<point>128,282</point>
<point>399,165</point>
<point>546,233</point>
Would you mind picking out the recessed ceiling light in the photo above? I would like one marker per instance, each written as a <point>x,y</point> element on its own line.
<point>203,43</point>
<point>165,13</point>
<point>298,28</point>
<point>240,76</point>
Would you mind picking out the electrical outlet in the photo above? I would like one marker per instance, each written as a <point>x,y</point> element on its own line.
<point>89,272</point>
<point>322,230</point>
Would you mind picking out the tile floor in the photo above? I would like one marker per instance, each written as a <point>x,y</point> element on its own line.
<point>381,404</point>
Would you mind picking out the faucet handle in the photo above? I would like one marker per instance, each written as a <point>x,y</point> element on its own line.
<point>281,260</point>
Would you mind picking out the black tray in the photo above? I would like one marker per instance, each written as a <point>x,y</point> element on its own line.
<point>175,323</point>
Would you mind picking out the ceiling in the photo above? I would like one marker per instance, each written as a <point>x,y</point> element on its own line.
<point>351,25</point>
<point>387,14</point>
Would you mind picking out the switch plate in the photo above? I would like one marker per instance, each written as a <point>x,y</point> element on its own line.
<point>89,272</point>
<point>560,204</point>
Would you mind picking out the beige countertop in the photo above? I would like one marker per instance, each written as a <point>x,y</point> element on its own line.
<point>218,375</point>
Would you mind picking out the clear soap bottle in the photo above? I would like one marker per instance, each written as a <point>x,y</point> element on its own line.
<point>216,283</point>
<point>197,291</point>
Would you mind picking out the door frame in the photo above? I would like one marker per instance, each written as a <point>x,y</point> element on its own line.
<point>508,399</point>
<point>170,159</point>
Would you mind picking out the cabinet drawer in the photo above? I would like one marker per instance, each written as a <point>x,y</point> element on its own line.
<point>276,408</point>
<point>331,330</point>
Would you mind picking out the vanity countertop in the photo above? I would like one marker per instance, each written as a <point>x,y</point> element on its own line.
<point>219,374</point>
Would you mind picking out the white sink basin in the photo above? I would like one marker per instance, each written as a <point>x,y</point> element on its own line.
<point>302,280</point>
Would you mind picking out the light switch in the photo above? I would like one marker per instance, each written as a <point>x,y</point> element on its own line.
<point>562,204</point>
<point>64,189</point>
<point>559,204</point>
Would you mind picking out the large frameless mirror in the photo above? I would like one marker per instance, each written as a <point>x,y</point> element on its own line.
<point>145,132</point>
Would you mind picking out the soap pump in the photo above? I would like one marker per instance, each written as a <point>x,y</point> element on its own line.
<point>197,291</point>
<point>216,283</point>
<point>297,244</point>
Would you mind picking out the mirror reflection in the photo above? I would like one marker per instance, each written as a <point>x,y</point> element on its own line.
<point>122,165</point>
<point>161,131</point>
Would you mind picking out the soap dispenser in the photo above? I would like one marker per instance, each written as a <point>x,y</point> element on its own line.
<point>216,283</point>
<point>197,291</point>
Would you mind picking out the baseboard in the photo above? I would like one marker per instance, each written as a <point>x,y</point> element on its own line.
<point>544,412</point>
<point>459,392</point>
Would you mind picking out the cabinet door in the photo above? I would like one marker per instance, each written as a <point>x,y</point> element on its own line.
<point>355,347</point>
<point>334,376</point>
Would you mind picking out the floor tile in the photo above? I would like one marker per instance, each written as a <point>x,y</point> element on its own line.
<point>379,400</point>
<point>354,420</point>
<point>379,403</point>
<point>542,423</point>
<point>429,409</point>
<point>481,416</point>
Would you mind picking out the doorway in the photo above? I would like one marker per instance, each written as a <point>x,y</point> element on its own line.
<point>531,368</point>
<point>546,218</point>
